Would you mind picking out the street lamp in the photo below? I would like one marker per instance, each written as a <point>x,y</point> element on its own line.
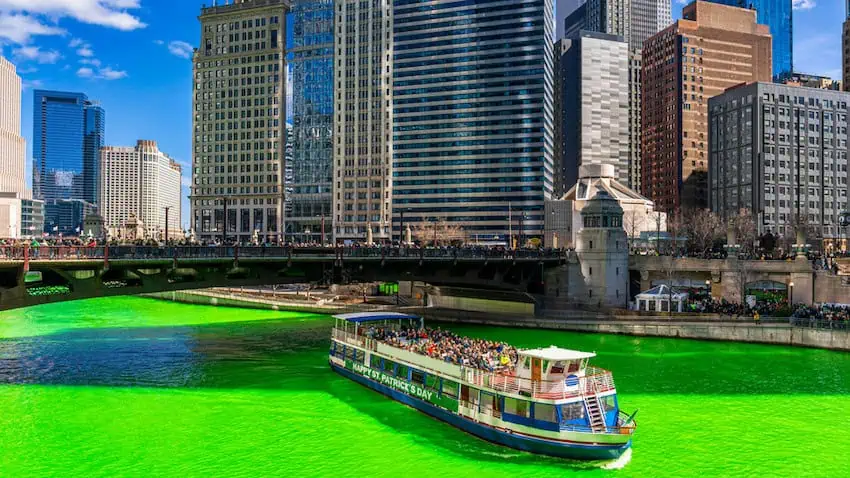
<point>166,223</point>
<point>708,286</point>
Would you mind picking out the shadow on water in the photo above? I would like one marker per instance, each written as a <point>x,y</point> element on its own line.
<point>291,355</point>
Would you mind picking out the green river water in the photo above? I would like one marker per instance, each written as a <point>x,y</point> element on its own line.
<point>138,387</point>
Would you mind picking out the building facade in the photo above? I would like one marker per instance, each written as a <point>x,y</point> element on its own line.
<point>778,15</point>
<point>239,122</point>
<point>635,21</point>
<point>845,49</point>
<point>312,69</point>
<point>12,144</point>
<point>781,152</point>
<point>595,106</point>
<point>712,48</point>
<point>474,118</point>
<point>140,182</point>
<point>68,132</point>
<point>362,184</point>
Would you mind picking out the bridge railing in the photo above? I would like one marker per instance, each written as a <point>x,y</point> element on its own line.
<point>31,252</point>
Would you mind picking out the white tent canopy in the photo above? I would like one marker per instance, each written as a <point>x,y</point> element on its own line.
<point>659,299</point>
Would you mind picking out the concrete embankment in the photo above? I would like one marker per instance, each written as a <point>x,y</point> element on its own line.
<point>699,329</point>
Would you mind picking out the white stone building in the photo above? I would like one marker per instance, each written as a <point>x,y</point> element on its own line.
<point>140,182</point>
<point>13,188</point>
<point>239,121</point>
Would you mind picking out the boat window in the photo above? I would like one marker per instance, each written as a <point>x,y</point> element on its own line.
<point>449,388</point>
<point>416,376</point>
<point>572,411</point>
<point>375,362</point>
<point>401,372</point>
<point>360,356</point>
<point>389,366</point>
<point>349,353</point>
<point>338,352</point>
<point>574,367</point>
<point>432,381</point>
<point>608,403</point>
<point>545,412</point>
<point>517,407</point>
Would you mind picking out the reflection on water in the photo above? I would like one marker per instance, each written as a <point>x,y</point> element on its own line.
<point>135,387</point>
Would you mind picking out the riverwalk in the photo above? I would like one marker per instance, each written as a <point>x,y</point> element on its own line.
<point>702,327</point>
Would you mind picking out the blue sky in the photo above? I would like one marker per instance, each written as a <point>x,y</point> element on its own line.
<point>134,57</point>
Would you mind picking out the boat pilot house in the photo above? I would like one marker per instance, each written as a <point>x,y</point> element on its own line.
<point>546,400</point>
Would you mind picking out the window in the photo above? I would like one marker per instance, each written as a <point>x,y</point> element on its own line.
<point>449,388</point>
<point>572,412</point>
<point>517,407</point>
<point>544,412</point>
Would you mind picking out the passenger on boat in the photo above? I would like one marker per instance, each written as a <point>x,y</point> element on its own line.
<point>445,345</point>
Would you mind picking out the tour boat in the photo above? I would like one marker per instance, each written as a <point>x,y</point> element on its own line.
<point>546,401</point>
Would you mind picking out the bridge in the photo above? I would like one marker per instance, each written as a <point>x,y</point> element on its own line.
<point>37,275</point>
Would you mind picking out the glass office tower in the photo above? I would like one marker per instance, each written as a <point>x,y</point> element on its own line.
<point>778,15</point>
<point>312,56</point>
<point>473,138</point>
<point>68,132</point>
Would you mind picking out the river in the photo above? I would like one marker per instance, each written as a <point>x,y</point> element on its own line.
<point>138,387</point>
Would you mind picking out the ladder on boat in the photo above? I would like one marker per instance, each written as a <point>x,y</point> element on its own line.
<point>594,409</point>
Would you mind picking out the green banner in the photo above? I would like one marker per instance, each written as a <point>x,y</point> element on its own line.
<point>401,385</point>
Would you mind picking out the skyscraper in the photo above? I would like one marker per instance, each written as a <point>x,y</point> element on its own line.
<point>845,49</point>
<point>140,181</point>
<point>12,152</point>
<point>363,147</point>
<point>12,144</point>
<point>473,118</point>
<point>684,66</point>
<point>312,56</point>
<point>563,9</point>
<point>778,15</point>
<point>635,21</point>
<point>68,132</point>
<point>595,110</point>
<point>239,135</point>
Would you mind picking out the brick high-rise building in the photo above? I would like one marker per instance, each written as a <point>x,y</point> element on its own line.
<point>239,121</point>
<point>713,47</point>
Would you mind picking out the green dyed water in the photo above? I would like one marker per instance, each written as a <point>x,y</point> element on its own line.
<point>136,387</point>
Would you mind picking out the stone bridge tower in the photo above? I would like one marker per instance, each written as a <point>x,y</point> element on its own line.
<point>603,254</point>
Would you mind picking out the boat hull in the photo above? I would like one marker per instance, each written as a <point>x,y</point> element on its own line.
<point>561,449</point>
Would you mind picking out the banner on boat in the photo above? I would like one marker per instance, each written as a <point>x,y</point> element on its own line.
<point>411,389</point>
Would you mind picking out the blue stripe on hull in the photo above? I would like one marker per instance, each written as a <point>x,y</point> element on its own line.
<point>532,445</point>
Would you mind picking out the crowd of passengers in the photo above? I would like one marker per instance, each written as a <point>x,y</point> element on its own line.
<point>444,345</point>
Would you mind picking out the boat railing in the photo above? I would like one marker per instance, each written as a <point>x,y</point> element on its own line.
<point>353,339</point>
<point>597,381</point>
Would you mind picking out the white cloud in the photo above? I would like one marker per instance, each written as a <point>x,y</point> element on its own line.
<point>27,70</point>
<point>159,42</point>
<point>105,73</point>
<point>108,13</point>
<point>19,28</point>
<point>181,49</point>
<point>27,84</point>
<point>803,4</point>
<point>76,42</point>
<point>108,73</point>
<point>85,51</point>
<point>90,61</point>
<point>35,53</point>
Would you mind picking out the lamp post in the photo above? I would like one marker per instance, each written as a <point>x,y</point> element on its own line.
<point>224,223</point>
<point>323,229</point>
<point>708,286</point>
<point>167,208</point>
<point>401,228</point>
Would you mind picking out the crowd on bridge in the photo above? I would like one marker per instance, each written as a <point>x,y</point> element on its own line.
<point>447,346</point>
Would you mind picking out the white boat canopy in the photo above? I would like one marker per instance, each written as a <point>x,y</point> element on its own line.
<point>556,354</point>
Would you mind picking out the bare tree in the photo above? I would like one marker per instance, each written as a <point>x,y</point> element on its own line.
<point>634,222</point>
<point>702,227</point>
<point>675,227</point>
<point>746,230</point>
<point>438,233</point>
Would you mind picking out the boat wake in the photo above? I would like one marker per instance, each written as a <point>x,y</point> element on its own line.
<point>619,463</point>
